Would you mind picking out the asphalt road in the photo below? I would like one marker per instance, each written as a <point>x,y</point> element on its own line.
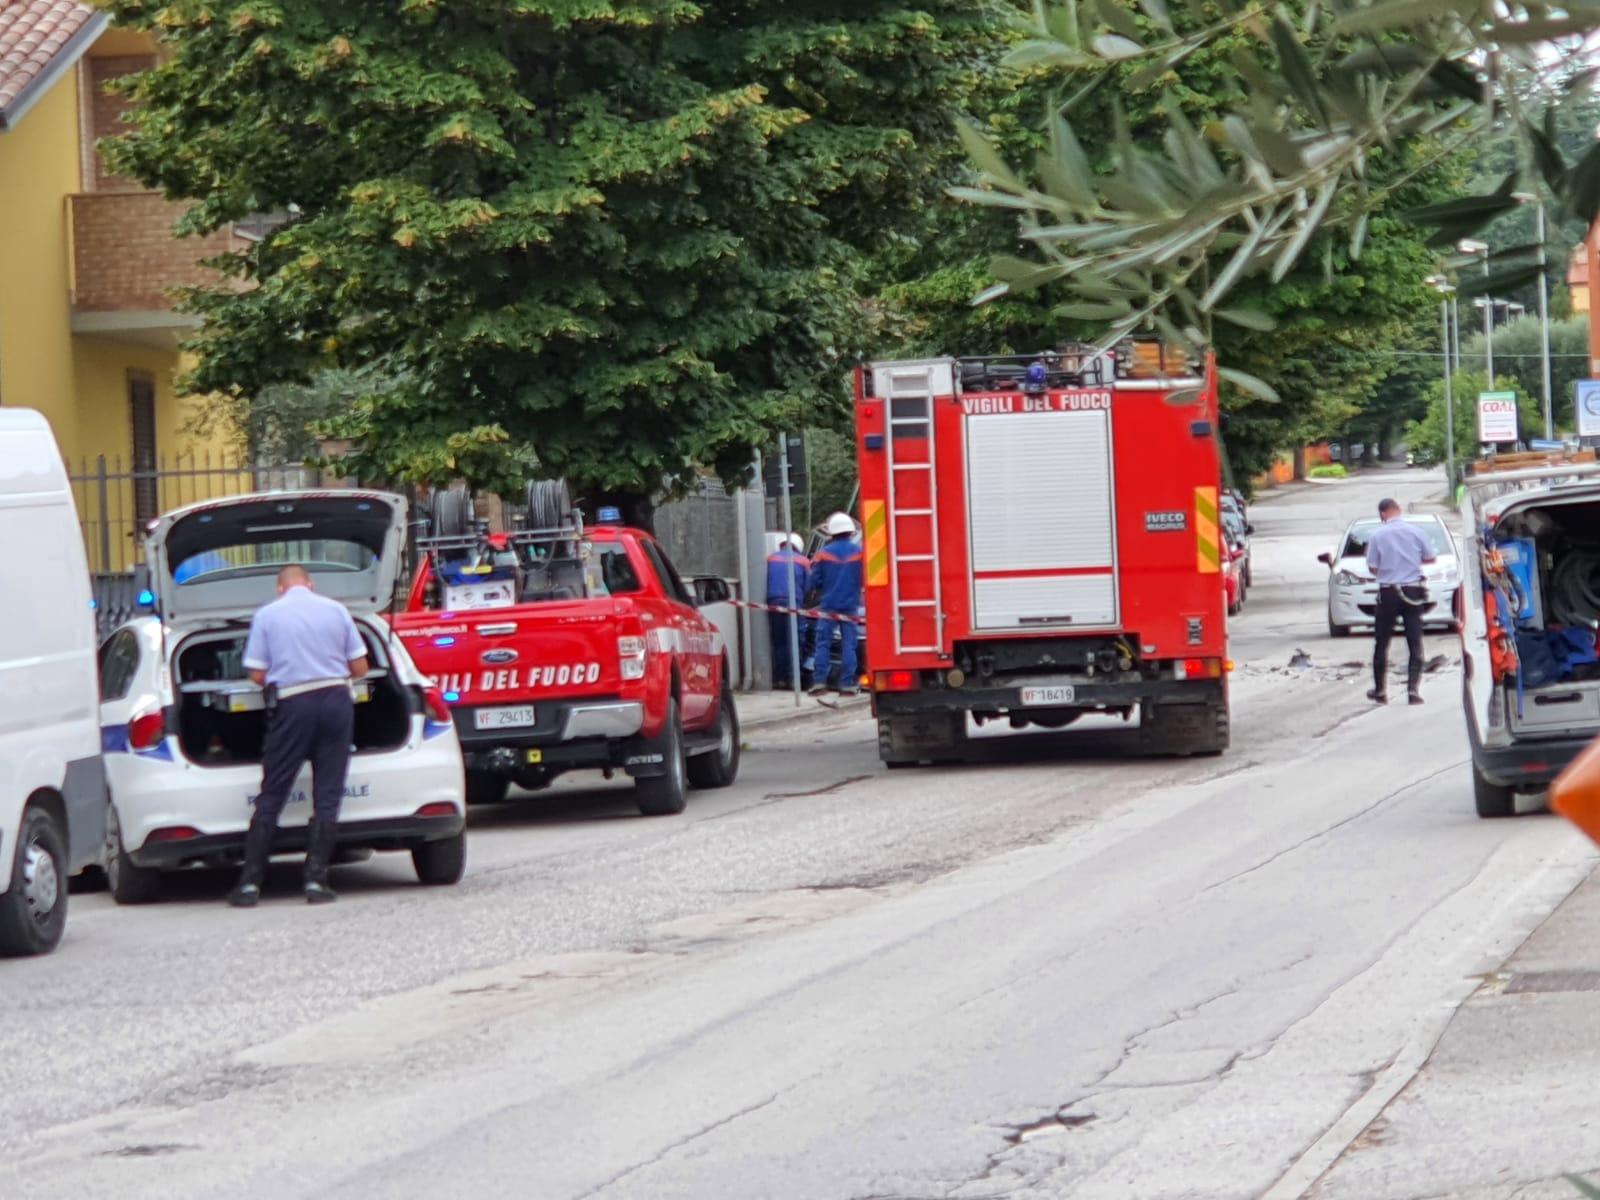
<point>1059,971</point>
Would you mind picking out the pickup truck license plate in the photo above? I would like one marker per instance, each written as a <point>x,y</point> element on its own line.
<point>1044,697</point>
<point>504,718</point>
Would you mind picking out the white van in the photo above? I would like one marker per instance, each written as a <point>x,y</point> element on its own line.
<point>52,783</point>
<point>1530,598</point>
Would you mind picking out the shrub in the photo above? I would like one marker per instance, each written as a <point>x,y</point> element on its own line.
<point>1328,471</point>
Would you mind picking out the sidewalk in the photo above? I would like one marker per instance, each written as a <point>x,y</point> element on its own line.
<point>760,710</point>
<point>1506,1103</point>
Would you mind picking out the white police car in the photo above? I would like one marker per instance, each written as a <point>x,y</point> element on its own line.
<point>182,727</point>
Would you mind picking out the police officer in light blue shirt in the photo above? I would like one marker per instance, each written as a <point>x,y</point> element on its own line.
<point>1396,552</point>
<point>305,649</point>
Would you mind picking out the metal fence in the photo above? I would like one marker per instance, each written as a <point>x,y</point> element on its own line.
<point>117,500</point>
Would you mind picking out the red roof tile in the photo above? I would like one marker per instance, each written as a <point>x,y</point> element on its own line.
<point>32,33</point>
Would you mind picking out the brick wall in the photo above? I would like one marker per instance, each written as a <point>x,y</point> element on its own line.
<point>105,114</point>
<point>125,256</point>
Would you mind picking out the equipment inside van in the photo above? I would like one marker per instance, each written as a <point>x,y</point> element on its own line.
<point>1531,607</point>
<point>52,782</point>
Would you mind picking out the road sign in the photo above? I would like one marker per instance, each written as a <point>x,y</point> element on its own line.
<point>1589,408</point>
<point>1497,417</point>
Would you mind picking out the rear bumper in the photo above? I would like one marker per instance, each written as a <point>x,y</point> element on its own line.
<point>1528,764</point>
<point>565,735</point>
<point>387,833</point>
<point>1087,696</point>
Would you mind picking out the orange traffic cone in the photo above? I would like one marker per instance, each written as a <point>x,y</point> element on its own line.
<point>1576,792</point>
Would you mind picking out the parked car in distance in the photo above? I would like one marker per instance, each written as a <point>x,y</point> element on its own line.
<point>183,726</point>
<point>52,782</point>
<point>1353,592</point>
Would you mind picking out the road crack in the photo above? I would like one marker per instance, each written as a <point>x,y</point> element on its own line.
<point>679,1144</point>
<point>1337,825</point>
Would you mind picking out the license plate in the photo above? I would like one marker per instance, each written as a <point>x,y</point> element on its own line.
<point>504,718</point>
<point>1047,697</point>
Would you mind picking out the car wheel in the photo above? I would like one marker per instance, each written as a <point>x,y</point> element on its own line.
<point>441,863</point>
<point>1492,800</point>
<point>483,787</point>
<point>129,883</point>
<point>720,767</point>
<point>33,912</point>
<point>666,794</point>
<point>1336,630</point>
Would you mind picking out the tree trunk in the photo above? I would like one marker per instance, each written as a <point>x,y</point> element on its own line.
<point>1299,462</point>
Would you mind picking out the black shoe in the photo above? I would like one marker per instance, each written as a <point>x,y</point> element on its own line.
<point>257,850</point>
<point>319,849</point>
<point>320,893</point>
<point>820,689</point>
<point>849,693</point>
<point>1414,698</point>
<point>1377,697</point>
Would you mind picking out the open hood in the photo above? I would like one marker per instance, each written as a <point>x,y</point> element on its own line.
<point>219,559</point>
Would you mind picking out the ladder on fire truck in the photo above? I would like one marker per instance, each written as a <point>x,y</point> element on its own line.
<point>909,390</point>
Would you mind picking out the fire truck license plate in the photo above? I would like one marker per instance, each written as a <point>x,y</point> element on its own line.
<point>505,718</point>
<point>1048,696</point>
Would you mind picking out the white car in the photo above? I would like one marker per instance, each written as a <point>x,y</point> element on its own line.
<point>182,727</point>
<point>1353,592</point>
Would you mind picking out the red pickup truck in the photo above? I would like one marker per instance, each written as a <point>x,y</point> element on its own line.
<point>573,648</point>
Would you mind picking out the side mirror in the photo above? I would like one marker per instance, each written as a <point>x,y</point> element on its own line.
<point>1250,530</point>
<point>1326,559</point>
<point>711,589</point>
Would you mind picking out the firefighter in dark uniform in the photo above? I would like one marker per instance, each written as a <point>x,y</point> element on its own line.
<point>304,649</point>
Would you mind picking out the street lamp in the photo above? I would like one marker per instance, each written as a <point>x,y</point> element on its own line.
<point>1446,302</point>
<point>1468,246</point>
<point>1544,307</point>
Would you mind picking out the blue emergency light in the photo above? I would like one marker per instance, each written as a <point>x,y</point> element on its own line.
<point>444,641</point>
<point>451,697</point>
<point>610,515</point>
<point>1038,378</point>
<point>147,598</point>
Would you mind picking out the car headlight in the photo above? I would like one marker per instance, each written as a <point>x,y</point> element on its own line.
<point>1349,579</point>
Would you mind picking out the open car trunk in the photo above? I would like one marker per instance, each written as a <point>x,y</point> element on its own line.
<point>1551,604</point>
<point>221,717</point>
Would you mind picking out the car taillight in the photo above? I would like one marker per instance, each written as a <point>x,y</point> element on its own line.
<point>147,731</point>
<point>433,700</point>
<point>631,656</point>
<point>894,681</point>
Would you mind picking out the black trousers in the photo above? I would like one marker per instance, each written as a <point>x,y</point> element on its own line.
<point>1393,604</point>
<point>316,727</point>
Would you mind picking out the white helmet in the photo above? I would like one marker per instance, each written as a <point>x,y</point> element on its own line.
<point>839,523</point>
<point>795,543</point>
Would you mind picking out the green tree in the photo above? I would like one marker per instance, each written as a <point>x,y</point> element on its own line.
<point>1517,355</point>
<point>1306,99</point>
<point>1428,433</point>
<point>632,235</point>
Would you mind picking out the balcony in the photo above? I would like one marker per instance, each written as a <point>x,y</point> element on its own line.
<point>126,260</point>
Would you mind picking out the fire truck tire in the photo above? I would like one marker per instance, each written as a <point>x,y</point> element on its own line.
<point>720,767</point>
<point>666,794</point>
<point>1180,730</point>
<point>483,787</point>
<point>451,511</point>
<point>549,504</point>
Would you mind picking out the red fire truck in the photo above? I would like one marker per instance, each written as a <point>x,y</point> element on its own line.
<point>1041,542</point>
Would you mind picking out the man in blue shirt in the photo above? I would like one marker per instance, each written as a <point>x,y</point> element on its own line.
<point>788,580</point>
<point>1396,552</point>
<point>836,577</point>
<point>304,649</point>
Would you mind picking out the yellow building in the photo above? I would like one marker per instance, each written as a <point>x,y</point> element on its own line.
<point>87,333</point>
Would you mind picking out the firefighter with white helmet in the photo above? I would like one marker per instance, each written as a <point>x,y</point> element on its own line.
<point>836,578</point>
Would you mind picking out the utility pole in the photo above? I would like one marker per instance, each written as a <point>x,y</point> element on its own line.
<point>793,623</point>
